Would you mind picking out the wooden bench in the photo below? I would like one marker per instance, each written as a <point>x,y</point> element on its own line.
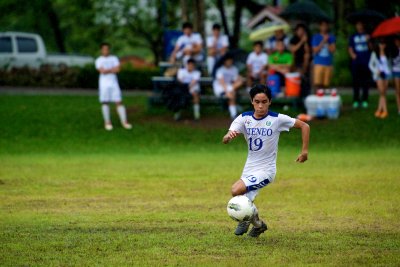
<point>207,97</point>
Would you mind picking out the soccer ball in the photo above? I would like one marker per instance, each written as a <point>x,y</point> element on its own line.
<point>240,208</point>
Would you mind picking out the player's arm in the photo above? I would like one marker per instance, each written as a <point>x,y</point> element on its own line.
<point>305,136</point>
<point>230,135</point>
<point>115,69</point>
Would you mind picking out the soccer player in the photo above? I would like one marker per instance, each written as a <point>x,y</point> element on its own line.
<point>261,129</point>
<point>188,45</point>
<point>108,65</point>
<point>256,62</point>
<point>190,77</point>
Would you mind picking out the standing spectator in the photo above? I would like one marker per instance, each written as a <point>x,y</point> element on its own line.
<point>360,53</point>
<point>188,45</point>
<point>323,45</point>
<point>256,62</point>
<point>379,66</point>
<point>396,71</point>
<point>217,45</point>
<point>190,77</point>
<point>227,82</point>
<point>109,91</point>
<point>270,44</point>
<point>301,50</point>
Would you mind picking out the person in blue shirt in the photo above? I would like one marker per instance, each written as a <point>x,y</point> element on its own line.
<point>360,53</point>
<point>323,47</point>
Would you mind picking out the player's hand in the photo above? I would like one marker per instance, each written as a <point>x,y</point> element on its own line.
<point>302,157</point>
<point>229,136</point>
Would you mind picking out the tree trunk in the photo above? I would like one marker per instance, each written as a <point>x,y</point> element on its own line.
<point>221,8</point>
<point>55,25</point>
<point>185,11</point>
<point>237,23</point>
<point>199,16</point>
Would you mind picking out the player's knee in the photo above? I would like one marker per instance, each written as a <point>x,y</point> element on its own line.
<point>237,190</point>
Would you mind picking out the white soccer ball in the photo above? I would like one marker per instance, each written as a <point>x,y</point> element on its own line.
<point>240,208</point>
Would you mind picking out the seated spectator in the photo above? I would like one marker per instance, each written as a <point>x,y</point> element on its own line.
<point>256,62</point>
<point>190,77</point>
<point>300,46</point>
<point>281,61</point>
<point>227,82</point>
<point>396,70</point>
<point>270,44</point>
<point>188,45</point>
<point>323,46</point>
<point>217,45</point>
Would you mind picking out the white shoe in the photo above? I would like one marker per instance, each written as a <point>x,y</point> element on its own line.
<point>127,125</point>
<point>108,127</point>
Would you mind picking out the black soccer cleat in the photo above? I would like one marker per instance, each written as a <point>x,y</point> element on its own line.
<point>256,232</point>
<point>242,228</point>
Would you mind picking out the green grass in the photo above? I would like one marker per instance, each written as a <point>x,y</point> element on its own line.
<point>72,194</point>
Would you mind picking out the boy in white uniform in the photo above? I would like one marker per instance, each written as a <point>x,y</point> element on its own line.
<point>188,45</point>
<point>256,62</point>
<point>108,65</point>
<point>217,45</point>
<point>261,129</point>
<point>190,77</point>
<point>227,82</point>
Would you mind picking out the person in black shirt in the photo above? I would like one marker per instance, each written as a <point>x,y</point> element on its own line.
<point>301,49</point>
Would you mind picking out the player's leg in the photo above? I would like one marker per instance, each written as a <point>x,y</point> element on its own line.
<point>238,189</point>
<point>397,88</point>
<point>231,95</point>
<point>195,92</point>
<point>105,110</point>
<point>382,98</point>
<point>121,110</point>
<point>327,76</point>
<point>356,85</point>
<point>210,64</point>
<point>249,80</point>
<point>317,73</point>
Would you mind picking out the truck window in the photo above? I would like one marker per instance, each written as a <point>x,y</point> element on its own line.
<point>26,45</point>
<point>5,45</point>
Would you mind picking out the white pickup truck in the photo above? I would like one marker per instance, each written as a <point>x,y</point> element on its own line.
<point>19,49</point>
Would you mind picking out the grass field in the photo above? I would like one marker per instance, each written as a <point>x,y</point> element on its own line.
<point>72,194</point>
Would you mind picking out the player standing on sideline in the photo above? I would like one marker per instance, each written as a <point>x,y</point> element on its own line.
<point>108,65</point>
<point>261,129</point>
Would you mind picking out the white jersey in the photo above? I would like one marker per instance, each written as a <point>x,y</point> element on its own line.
<point>230,75</point>
<point>185,76</point>
<point>109,79</point>
<point>221,42</point>
<point>257,62</point>
<point>262,136</point>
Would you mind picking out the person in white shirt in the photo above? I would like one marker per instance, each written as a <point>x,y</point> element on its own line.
<point>188,45</point>
<point>217,45</point>
<point>380,69</point>
<point>109,91</point>
<point>227,82</point>
<point>261,129</point>
<point>256,62</point>
<point>190,77</point>
<point>396,70</point>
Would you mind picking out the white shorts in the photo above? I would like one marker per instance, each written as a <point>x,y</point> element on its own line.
<point>219,90</point>
<point>254,182</point>
<point>194,89</point>
<point>110,94</point>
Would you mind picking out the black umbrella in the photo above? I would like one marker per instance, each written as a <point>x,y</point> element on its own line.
<point>306,11</point>
<point>366,16</point>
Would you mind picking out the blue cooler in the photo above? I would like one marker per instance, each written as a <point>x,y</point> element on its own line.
<point>274,83</point>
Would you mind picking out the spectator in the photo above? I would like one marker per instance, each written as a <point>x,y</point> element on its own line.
<point>323,45</point>
<point>396,71</point>
<point>188,45</point>
<point>256,62</point>
<point>301,49</point>
<point>217,45</point>
<point>227,82</point>
<point>270,44</point>
<point>189,77</point>
<point>379,66</point>
<point>109,91</point>
<point>281,61</point>
<point>360,53</point>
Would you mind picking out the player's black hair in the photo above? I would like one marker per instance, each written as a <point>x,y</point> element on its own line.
<point>258,43</point>
<point>260,89</point>
<point>216,26</point>
<point>187,25</point>
<point>191,60</point>
<point>105,44</point>
<point>227,56</point>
